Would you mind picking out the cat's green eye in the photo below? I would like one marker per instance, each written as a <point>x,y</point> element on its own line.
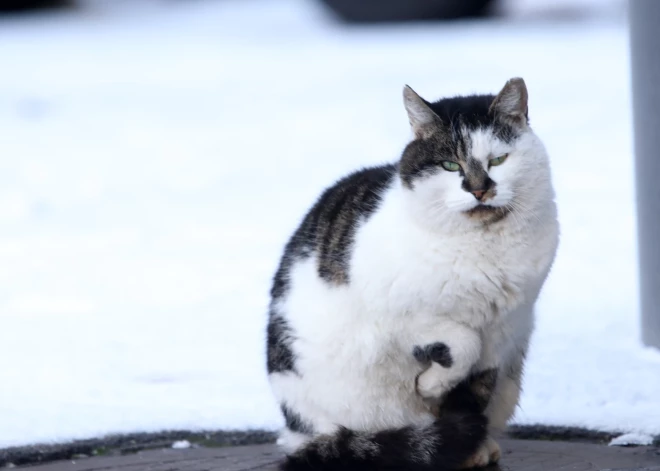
<point>450,166</point>
<point>497,160</point>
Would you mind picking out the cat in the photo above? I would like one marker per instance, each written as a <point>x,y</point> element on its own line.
<point>450,246</point>
<point>439,446</point>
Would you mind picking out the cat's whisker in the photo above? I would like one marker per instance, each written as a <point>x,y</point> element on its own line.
<point>514,213</point>
<point>526,210</point>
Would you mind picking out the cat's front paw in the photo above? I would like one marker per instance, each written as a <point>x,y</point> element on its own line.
<point>432,383</point>
<point>437,352</point>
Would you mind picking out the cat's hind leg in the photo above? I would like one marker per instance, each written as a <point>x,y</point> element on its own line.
<point>489,452</point>
<point>291,441</point>
<point>500,409</point>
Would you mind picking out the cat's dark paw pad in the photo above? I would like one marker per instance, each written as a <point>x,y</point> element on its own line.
<point>420,354</point>
<point>437,352</point>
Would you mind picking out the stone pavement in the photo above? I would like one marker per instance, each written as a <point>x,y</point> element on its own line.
<point>518,455</point>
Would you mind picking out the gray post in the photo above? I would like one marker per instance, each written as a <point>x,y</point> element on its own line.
<point>645,60</point>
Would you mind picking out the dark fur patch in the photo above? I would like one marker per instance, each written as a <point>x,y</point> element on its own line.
<point>422,157</point>
<point>340,209</point>
<point>329,227</point>
<point>442,446</point>
<point>294,422</point>
<point>473,112</point>
<point>437,352</point>
<point>328,231</point>
<point>279,355</point>
<point>476,178</point>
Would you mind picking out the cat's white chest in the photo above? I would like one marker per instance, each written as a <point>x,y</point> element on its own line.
<point>402,270</point>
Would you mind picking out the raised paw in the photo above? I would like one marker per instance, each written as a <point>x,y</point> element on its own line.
<point>437,352</point>
<point>432,383</point>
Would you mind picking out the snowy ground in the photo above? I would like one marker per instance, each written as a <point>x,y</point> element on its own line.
<point>154,159</point>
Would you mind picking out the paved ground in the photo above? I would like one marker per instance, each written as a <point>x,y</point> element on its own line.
<point>519,455</point>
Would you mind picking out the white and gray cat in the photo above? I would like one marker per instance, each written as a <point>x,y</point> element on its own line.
<point>403,280</point>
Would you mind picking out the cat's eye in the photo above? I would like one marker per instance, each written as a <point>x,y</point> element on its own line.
<point>450,166</point>
<point>497,160</point>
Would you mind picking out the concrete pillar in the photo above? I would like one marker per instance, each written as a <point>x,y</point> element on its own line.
<point>645,61</point>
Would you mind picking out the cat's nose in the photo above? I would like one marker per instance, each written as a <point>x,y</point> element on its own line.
<point>479,194</point>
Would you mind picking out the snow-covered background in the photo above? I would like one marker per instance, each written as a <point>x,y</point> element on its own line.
<point>154,157</point>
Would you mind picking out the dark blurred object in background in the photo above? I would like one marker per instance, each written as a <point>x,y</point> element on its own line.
<point>372,11</point>
<point>20,5</point>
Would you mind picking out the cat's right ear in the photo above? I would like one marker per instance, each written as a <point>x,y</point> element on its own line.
<point>422,118</point>
<point>511,102</point>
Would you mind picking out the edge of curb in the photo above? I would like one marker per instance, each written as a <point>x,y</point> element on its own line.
<point>123,444</point>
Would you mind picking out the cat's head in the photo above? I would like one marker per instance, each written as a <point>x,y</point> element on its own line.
<point>472,394</point>
<point>473,159</point>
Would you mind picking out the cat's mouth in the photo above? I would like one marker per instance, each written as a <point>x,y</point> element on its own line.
<point>480,208</point>
<point>487,213</point>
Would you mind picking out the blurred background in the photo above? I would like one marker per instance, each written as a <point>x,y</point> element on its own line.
<point>156,154</point>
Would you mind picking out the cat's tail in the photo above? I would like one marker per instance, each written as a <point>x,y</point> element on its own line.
<point>443,445</point>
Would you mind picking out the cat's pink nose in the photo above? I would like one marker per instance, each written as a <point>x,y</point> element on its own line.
<point>479,194</point>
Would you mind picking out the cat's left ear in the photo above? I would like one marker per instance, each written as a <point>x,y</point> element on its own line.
<point>511,102</point>
<point>422,118</point>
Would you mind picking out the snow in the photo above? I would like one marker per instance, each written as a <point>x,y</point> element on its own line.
<point>632,439</point>
<point>181,445</point>
<point>156,156</point>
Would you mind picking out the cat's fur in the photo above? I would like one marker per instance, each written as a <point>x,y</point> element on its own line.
<point>394,259</point>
